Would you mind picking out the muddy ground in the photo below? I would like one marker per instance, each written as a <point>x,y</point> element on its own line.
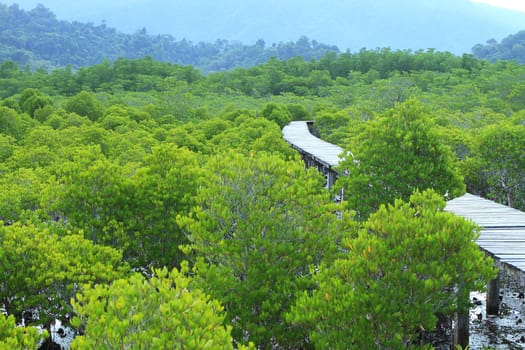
<point>506,330</point>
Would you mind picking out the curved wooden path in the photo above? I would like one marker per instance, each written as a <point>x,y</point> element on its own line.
<point>502,229</point>
<point>315,152</point>
<point>298,135</point>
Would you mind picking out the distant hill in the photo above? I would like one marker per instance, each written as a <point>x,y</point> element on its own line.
<point>38,39</point>
<point>511,47</point>
<point>445,25</point>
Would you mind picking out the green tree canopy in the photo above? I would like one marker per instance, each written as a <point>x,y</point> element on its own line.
<point>396,277</point>
<point>162,312</point>
<point>499,163</point>
<point>14,124</point>
<point>261,222</point>
<point>18,338</point>
<point>33,99</point>
<point>130,207</point>
<point>163,188</point>
<point>252,135</point>
<point>41,271</point>
<point>92,195</point>
<point>85,104</point>
<point>277,113</point>
<point>395,155</point>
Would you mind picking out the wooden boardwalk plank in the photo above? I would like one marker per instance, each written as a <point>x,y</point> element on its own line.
<point>502,228</point>
<point>299,136</point>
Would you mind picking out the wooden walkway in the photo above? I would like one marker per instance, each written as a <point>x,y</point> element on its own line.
<point>315,152</point>
<point>502,228</point>
<point>299,136</point>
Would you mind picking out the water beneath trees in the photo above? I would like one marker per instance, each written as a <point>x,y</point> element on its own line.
<point>505,331</point>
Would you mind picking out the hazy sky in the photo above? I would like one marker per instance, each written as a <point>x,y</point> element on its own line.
<point>509,4</point>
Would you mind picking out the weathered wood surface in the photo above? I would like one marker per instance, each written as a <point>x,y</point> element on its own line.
<point>502,228</point>
<point>299,136</point>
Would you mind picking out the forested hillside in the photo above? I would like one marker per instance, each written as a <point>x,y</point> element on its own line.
<point>147,204</point>
<point>446,25</point>
<point>38,39</point>
<point>511,47</point>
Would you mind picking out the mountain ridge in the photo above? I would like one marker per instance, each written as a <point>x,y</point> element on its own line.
<point>447,25</point>
<point>36,38</point>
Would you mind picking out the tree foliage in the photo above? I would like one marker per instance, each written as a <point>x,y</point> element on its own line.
<point>85,105</point>
<point>162,312</point>
<point>261,222</point>
<point>278,114</point>
<point>131,208</point>
<point>499,164</point>
<point>511,47</point>
<point>31,100</point>
<point>396,277</point>
<point>41,271</point>
<point>14,124</point>
<point>394,156</point>
<point>144,157</point>
<point>37,38</point>
<point>18,338</point>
